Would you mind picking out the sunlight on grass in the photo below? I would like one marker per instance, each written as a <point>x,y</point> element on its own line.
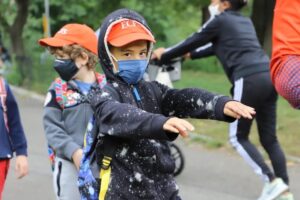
<point>215,134</point>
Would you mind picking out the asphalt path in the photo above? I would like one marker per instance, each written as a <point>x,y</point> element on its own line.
<point>208,174</point>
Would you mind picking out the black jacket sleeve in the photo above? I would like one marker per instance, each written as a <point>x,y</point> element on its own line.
<point>203,51</point>
<point>204,36</point>
<point>194,103</point>
<point>125,120</point>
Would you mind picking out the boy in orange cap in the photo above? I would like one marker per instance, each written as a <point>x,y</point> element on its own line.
<point>67,106</point>
<point>137,119</point>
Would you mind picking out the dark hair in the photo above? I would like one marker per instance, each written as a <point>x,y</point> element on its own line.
<point>236,4</point>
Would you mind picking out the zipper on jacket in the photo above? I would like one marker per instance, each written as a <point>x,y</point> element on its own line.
<point>58,177</point>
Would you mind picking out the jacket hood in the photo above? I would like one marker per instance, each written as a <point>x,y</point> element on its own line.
<point>103,50</point>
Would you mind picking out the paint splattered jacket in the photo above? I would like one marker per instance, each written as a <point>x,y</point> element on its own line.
<point>142,166</point>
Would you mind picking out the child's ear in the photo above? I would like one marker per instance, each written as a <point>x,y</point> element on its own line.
<point>84,58</point>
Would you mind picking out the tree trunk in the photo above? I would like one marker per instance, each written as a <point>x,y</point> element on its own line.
<point>205,14</point>
<point>15,33</point>
<point>262,17</point>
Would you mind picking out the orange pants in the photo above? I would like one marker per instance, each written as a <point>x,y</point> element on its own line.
<point>4,166</point>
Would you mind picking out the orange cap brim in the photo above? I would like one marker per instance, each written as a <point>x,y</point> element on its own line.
<point>54,42</point>
<point>128,38</point>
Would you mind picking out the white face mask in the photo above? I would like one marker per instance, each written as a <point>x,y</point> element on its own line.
<point>213,10</point>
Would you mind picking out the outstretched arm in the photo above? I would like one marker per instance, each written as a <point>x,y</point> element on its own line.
<point>198,39</point>
<point>127,121</point>
<point>203,51</point>
<point>198,103</point>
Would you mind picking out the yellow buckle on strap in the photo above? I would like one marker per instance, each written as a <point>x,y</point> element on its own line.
<point>104,176</point>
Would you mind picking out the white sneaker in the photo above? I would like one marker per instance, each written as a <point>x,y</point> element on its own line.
<point>286,196</point>
<point>273,189</point>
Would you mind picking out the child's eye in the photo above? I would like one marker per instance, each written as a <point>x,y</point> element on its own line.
<point>127,54</point>
<point>144,54</point>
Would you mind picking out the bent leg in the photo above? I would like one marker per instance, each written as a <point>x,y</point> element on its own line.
<point>266,124</point>
<point>239,132</point>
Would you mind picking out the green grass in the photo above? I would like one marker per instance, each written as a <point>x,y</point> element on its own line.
<point>215,134</point>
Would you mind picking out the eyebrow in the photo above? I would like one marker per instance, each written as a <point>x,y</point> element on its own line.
<point>129,50</point>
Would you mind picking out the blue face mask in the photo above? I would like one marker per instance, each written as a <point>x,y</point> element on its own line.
<point>132,71</point>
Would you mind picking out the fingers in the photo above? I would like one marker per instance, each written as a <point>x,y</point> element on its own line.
<point>230,113</point>
<point>177,125</point>
<point>237,110</point>
<point>157,53</point>
<point>170,128</point>
<point>21,170</point>
<point>77,156</point>
<point>21,166</point>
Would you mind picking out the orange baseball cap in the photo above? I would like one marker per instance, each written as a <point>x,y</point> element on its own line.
<point>127,31</point>
<point>73,34</point>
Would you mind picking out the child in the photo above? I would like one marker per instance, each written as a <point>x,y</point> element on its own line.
<point>12,137</point>
<point>67,106</point>
<point>138,118</point>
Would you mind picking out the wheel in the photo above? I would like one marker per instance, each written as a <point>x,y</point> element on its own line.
<point>178,158</point>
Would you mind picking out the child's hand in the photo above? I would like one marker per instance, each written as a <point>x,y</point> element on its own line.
<point>177,125</point>
<point>21,166</point>
<point>237,110</point>
<point>156,54</point>
<point>77,155</point>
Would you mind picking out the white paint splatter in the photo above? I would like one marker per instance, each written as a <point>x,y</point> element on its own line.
<point>110,131</point>
<point>209,106</point>
<point>124,152</point>
<point>115,84</point>
<point>104,94</point>
<point>138,176</point>
<point>155,143</point>
<point>101,134</point>
<point>200,102</point>
<point>172,113</point>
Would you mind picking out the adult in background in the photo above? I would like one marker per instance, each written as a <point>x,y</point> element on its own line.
<point>233,40</point>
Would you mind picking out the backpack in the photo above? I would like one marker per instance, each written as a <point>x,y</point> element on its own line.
<point>3,95</point>
<point>61,91</point>
<point>95,170</point>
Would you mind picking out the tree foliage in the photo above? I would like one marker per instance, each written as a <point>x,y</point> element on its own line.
<point>21,21</point>
<point>14,24</point>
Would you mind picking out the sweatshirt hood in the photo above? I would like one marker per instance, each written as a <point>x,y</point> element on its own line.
<point>103,50</point>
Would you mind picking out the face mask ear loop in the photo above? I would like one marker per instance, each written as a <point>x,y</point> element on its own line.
<point>114,68</point>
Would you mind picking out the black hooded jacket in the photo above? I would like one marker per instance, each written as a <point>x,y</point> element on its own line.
<point>142,167</point>
<point>234,42</point>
